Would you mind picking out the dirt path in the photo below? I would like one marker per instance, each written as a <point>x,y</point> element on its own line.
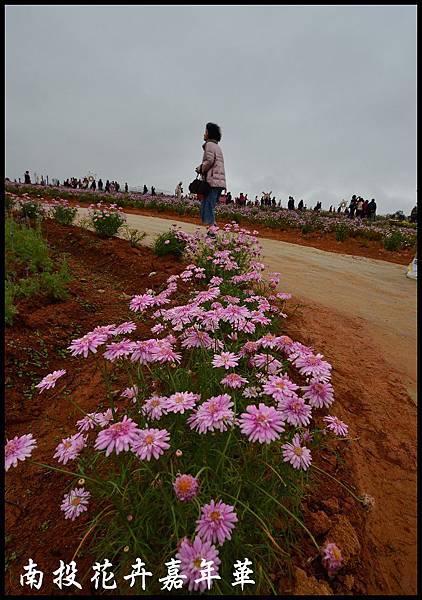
<point>361,314</point>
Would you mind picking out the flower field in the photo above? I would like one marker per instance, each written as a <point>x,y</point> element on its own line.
<point>175,420</point>
<point>383,233</point>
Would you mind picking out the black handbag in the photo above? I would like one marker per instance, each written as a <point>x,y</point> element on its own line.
<point>198,186</point>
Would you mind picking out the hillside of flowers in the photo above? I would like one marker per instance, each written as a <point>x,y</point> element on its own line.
<point>392,235</point>
<point>210,441</point>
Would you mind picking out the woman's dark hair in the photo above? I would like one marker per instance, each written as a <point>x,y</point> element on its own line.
<point>214,131</point>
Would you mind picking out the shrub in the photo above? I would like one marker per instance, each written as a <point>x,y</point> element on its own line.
<point>32,210</point>
<point>106,219</point>
<point>341,232</point>
<point>394,241</point>
<point>133,236</point>
<point>63,213</point>
<point>307,228</point>
<point>169,242</point>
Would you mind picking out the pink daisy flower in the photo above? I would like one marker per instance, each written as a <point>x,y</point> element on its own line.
<point>337,426</point>
<point>313,366</point>
<point>107,330</point>
<point>191,556</point>
<point>49,380</point>
<point>261,423</point>
<point>88,342</point>
<point>143,351</point>
<point>214,414</point>
<point>186,487</point>
<point>130,393</point>
<point>226,360</point>
<point>75,503</point>
<point>332,558</point>
<point>105,417</point>
<point>197,339</point>
<point>119,436</point>
<point>118,349</point>
<point>126,327</point>
<point>164,353</point>
<point>298,456</point>
<point>69,448</point>
<point>141,302</point>
<point>151,443</point>
<point>90,421</point>
<point>280,387</point>
<point>157,328</point>
<point>155,407</point>
<point>319,394</point>
<point>216,522</point>
<point>266,362</point>
<point>181,402</point>
<point>251,392</point>
<point>19,448</point>
<point>268,341</point>
<point>233,380</point>
<point>295,411</point>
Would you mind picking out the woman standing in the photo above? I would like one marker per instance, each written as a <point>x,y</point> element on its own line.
<point>212,171</point>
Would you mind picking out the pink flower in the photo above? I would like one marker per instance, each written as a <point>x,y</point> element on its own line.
<point>105,417</point>
<point>295,411</point>
<point>263,423</point>
<point>151,443</point>
<point>214,414</point>
<point>280,387</point>
<point>337,426</point>
<point>90,421</point>
<point>249,348</point>
<point>319,394</point>
<point>49,380</point>
<point>197,339</point>
<point>181,402</point>
<point>165,353</point>
<point>191,556</point>
<point>141,302</point>
<point>88,342</point>
<point>130,393</point>
<point>233,380</point>
<point>332,558</point>
<point>19,448</point>
<point>143,351</point>
<point>155,407</point>
<point>226,360</point>
<point>126,327</point>
<point>107,330</point>
<point>69,448</point>
<point>268,341</point>
<point>75,503</point>
<point>118,349</point>
<point>119,436</point>
<point>297,455</point>
<point>186,487</point>
<point>266,362</point>
<point>216,522</point>
<point>312,365</point>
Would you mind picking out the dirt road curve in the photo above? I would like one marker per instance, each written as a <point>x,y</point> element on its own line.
<point>361,314</point>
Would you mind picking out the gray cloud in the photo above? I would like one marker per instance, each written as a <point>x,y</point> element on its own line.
<point>314,101</point>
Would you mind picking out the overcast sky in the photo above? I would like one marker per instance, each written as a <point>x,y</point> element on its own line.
<point>318,102</point>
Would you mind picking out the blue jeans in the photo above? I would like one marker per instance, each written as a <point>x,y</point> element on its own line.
<point>208,206</point>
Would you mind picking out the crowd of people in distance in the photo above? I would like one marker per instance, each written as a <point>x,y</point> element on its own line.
<point>86,183</point>
<point>357,208</point>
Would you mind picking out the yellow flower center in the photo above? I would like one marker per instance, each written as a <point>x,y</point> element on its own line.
<point>262,419</point>
<point>149,439</point>
<point>75,501</point>
<point>280,385</point>
<point>67,444</point>
<point>197,562</point>
<point>184,485</point>
<point>215,515</point>
<point>155,403</point>
<point>298,451</point>
<point>337,553</point>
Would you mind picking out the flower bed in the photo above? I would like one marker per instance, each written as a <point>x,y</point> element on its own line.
<point>274,218</point>
<point>213,436</point>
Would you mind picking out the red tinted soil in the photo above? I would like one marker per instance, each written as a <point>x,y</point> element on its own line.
<point>379,546</point>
